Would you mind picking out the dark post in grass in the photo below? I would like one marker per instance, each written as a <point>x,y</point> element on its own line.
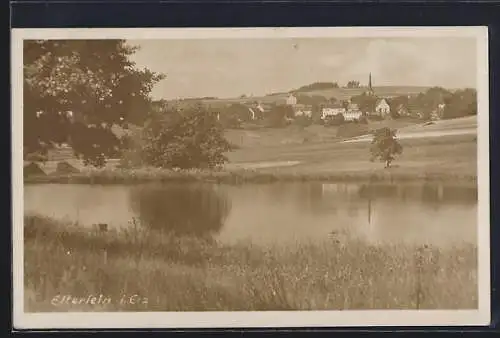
<point>102,229</point>
<point>138,242</point>
<point>418,291</point>
<point>426,265</point>
<point>369,210</point>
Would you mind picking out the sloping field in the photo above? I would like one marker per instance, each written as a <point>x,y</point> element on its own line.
<point>460,126</point>
<point>264,99</point>
<point>386,91</point>
<point>338,93</point>
<point>264,137</point>
<point>453,154</point>
<point>469,122</point>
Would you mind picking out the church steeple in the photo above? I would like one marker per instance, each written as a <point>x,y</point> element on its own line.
<point>370,89</point>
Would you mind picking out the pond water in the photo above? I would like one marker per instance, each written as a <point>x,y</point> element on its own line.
<point>272,213</point>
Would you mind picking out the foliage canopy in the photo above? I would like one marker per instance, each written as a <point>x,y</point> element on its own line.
<point>75,91</point>
<point>385,146</point>
<point>191,138</point>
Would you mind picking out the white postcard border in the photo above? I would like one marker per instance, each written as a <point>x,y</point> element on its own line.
<point>22,320</point>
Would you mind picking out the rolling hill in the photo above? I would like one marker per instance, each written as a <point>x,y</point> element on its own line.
<point>385,91</point>
<point>338,93</point>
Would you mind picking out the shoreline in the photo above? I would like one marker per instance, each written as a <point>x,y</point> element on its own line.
<point>124,176</point>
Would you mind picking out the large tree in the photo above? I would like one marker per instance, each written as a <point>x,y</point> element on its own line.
<point>187,138</point>
<point>365,102</point>
<point>75,91</point>
<point>385,146</point>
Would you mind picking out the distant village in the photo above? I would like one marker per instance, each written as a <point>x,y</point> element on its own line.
<point>356,104</point>
<point>381,107</point>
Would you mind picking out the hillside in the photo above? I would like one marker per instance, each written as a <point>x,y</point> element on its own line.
<point>346,93</point>
<point>264,99</point>
<point>338,93</point>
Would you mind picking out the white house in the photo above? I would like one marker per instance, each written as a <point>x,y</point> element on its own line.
<point>260,107</point>
<point>328,112</point>
<point>291,100</point>
<point>382,108</point>
<point>438,113</point>
<point>303,112</point>
<point>351,115</point>
<point>353,112</point>
<point>252,113</point>
<point>440,110</point>
<point>257,110</point>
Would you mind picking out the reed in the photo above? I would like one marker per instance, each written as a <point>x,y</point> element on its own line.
<point>144,175</point>
<point>171,273</point>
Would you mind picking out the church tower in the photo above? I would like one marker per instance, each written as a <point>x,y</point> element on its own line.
<point>370,88</point>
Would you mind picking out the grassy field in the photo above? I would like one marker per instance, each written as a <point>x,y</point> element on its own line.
<point>293,135</point>
<point>186,274</point>
<point>443,158</point>
<point>449,154</point>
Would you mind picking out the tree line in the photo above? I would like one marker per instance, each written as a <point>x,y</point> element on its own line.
<point>457,103</point>
<point>317,86</point>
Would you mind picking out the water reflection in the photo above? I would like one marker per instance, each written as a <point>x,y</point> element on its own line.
<point>273,213</point>
<point>426,193</point>
<point>181,209</point>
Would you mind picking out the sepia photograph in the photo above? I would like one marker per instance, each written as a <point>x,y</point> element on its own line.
<point>250,177</point>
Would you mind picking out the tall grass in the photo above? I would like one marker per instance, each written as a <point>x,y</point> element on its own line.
<point>199,274</point>
<point>143,175</point>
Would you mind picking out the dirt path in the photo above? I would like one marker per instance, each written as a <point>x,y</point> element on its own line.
<point>421,134</point>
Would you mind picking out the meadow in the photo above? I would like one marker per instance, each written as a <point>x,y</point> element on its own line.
<point>172,273</point>
<point>446,158</point>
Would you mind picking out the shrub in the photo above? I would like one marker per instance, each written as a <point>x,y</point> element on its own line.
<point>277,117</point>
<point>335,120</point>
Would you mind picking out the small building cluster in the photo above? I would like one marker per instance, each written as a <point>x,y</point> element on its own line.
<point>414,111</point>
<point>379,108</point>
<point>349,111</point>
<point>352,112</point>
<point>258,110</point>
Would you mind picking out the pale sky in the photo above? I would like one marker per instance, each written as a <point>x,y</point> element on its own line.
<point>232,67</point>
